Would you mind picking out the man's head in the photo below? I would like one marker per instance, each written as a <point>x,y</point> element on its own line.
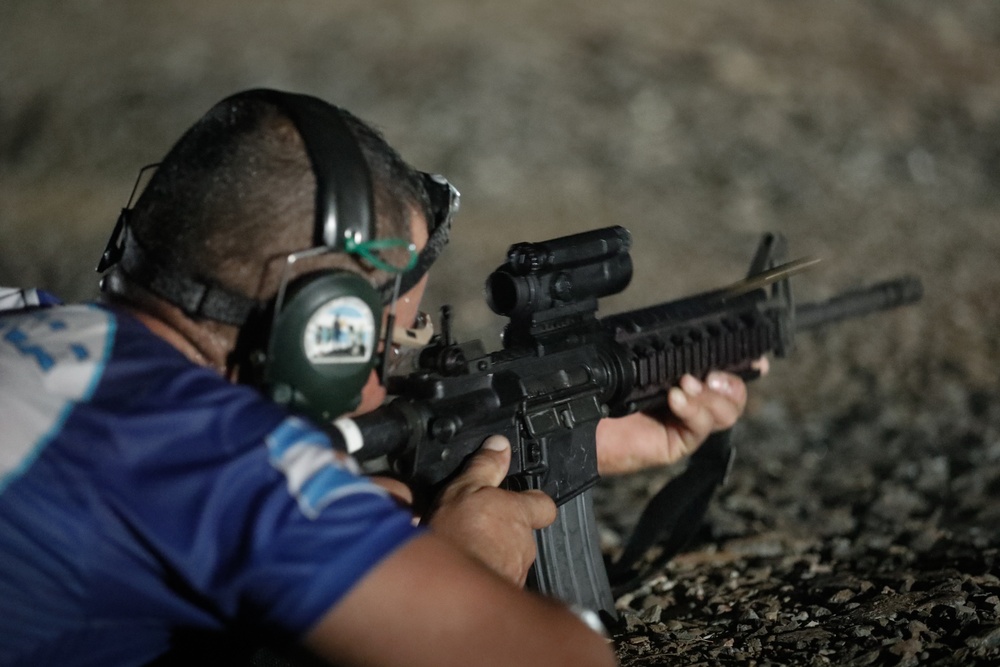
<point>255,180</point>
<point>237,194</point>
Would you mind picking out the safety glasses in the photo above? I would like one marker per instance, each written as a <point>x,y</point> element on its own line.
<point>442,203</point>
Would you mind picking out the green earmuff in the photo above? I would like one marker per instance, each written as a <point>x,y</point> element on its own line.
<point>323,344</point>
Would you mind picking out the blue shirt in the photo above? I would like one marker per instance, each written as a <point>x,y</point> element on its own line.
<point>141,494</point>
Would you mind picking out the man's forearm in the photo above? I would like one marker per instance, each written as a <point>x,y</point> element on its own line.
<point>429,604</point>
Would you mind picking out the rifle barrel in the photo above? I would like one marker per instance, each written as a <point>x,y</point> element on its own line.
<point>878,297</point>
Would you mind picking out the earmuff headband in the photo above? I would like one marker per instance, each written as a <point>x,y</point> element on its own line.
<point>344,201</point>
<point>197,298</point>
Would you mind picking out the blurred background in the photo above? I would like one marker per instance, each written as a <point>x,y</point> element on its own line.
<point>867,132</point>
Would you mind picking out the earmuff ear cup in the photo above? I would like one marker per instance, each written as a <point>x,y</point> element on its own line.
<point>323,344</point>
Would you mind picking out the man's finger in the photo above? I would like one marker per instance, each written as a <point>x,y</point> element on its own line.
<point>539,508</point>
<point>728,385</point>
<point>683,399</point>
<point>401,492</point>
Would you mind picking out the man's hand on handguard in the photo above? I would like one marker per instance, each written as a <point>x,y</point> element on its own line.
<point>696,410</point>
<point>493,525</point>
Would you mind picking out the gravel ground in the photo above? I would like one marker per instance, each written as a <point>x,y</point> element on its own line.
<point>859,523</point>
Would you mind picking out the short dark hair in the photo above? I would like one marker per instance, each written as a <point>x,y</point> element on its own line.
<point>237,190</point>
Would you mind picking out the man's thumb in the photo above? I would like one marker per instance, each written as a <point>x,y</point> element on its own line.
<point>496,443</point>
<point>490,464</point>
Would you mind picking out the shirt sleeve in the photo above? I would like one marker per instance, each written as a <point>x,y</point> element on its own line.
<point>333,526</point>
<point>258,526</point>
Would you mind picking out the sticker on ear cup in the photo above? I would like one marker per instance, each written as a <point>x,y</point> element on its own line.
<point>340,331</point>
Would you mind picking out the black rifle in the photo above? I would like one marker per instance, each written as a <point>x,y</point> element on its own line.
<point>562,369</point>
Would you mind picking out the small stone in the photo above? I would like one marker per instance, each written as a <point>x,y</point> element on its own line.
<point>842,596</point>
<point>652,614</point>
<point>990,639</point>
